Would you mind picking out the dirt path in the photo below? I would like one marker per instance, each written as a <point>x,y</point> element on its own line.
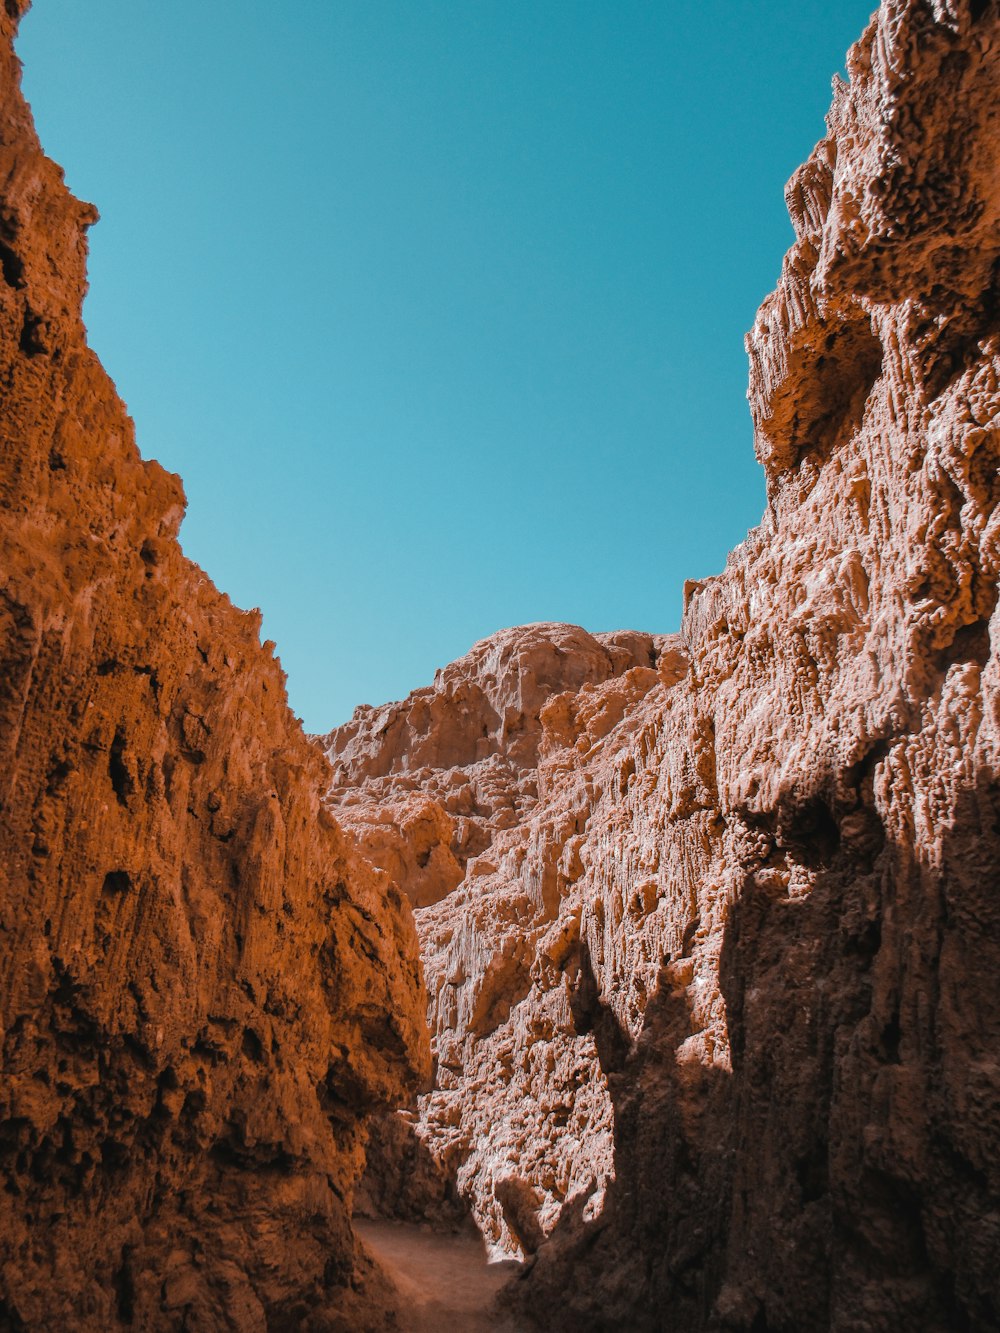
<point>445,1284</point>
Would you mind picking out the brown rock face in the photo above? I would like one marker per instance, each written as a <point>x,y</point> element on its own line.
<point>742,945</point>
<point>203,991</point>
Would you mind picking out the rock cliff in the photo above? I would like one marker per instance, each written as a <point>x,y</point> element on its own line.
<point>711,924</point>
<point>467,794</point>
<point>203,990</point>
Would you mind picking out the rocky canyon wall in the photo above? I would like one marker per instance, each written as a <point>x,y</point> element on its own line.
<point>711,925</point>
<point>203,990</point>
<point>475,795</point>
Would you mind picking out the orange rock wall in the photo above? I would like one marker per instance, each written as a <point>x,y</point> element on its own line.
<point>203,991</point>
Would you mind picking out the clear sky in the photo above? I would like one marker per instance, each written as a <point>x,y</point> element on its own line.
<point>437,306</point>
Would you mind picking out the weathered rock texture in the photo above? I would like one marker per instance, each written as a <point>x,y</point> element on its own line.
<point>760,875</point>
<point>203,991</point>
<point>474,794</point>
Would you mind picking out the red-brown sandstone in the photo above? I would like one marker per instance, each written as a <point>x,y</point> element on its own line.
<point>204,991</point>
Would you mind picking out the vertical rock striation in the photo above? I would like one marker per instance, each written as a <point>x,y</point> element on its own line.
<point>760,872</point>
<point>203,990</point>
<point>474,794</point>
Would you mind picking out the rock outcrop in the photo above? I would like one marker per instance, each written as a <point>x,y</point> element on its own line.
<point>466,794</point>
<point>203,989</point>
<point>728,928</point>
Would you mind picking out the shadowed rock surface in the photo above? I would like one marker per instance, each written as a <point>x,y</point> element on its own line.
<point>203,990</point>
<point>729,926</point>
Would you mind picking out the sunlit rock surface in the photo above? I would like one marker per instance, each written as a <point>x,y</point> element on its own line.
<point>475,795</point>
<point>203,991</point>
<point>725,918</point>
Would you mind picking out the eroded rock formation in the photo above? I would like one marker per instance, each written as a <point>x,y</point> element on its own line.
<point>475,794</point>
<point>203,989</point>
<point>756,874</point>
<point>710,922</point>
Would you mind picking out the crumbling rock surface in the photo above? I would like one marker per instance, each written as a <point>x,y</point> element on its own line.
<point>740,939</point>
<point>203,989</point>
<point>475,795</point>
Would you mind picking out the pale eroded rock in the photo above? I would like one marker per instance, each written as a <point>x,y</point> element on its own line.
<point>489,842</point>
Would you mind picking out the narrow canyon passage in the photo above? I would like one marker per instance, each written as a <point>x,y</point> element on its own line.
<point>706,924</point>
<point>443,1280</point>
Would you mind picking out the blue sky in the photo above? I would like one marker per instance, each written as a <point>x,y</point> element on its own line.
<point>437,306</point>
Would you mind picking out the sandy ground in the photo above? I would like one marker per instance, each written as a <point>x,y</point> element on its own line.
<point>445,1284</point>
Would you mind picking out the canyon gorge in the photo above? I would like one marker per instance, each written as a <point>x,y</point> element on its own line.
<point>671,960</point>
